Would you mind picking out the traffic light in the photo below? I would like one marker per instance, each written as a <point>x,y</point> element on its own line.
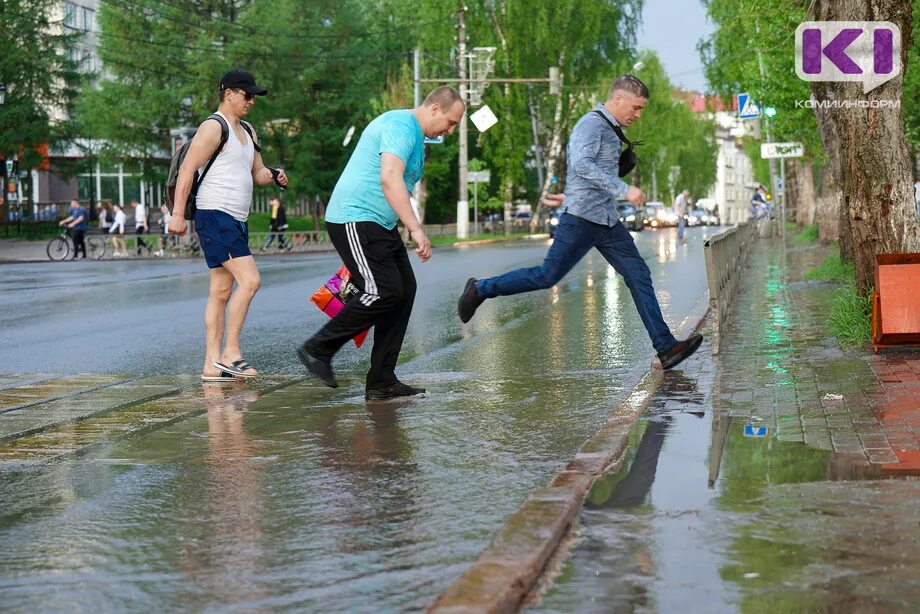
<point>769,111</point>
<point>9,167</point>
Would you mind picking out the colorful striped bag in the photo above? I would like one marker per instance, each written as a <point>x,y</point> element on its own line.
<point>332,296</point>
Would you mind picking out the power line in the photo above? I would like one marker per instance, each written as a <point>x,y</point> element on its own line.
<point>266,33</point>
<point>213,49</point>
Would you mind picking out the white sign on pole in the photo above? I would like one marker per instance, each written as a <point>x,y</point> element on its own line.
<point>747,108</point>
<point>782,150</point>
<point>478,177</point>
<point>484,118</point>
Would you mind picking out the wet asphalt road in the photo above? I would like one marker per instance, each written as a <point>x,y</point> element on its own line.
<point>303,498</point>
<point>145,317</point>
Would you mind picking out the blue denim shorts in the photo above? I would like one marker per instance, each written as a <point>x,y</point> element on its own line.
<point>221,236</point>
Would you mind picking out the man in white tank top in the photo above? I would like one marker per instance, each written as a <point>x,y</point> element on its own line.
<point>223,202</point>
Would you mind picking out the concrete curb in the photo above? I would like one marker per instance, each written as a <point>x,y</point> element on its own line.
<point>512,563</point>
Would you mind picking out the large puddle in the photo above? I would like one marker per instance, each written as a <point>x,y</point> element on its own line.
<point>763,481</point>
<point>306,499</point>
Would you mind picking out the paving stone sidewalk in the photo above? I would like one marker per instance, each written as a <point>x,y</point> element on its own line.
<point>779,363</point>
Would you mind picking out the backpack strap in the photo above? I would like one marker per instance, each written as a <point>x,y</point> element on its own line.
<point>248,128</point>
<point>224,135</point>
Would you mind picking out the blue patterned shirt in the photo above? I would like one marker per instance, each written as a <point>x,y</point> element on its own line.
<point>592,187</point>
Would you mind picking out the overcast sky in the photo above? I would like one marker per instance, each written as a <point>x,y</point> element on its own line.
<point>672,28</point>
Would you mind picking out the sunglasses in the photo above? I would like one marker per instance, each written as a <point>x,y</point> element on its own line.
<point>246,95</point>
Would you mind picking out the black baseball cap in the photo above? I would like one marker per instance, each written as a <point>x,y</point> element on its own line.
<point>238,79</point>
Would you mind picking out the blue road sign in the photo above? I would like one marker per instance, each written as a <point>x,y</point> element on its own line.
<point>747,108</point>
<point>752,430</point>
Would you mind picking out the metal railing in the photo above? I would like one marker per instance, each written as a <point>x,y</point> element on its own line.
<point>726,255</point>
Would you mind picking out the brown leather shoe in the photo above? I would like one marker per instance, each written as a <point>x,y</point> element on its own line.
<point>469,301</point>
<point>676,354</point>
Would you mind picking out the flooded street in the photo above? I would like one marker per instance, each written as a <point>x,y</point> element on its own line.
<point>281,494</point>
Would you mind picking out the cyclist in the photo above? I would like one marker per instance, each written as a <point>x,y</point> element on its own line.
<point>77,223</point>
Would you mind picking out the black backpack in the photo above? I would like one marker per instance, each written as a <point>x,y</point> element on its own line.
<point>176,163</point>
<point>628,158</point>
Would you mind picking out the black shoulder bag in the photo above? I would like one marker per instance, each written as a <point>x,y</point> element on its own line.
<point>628,158</point>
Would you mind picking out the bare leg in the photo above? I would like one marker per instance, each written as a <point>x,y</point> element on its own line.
<point>247,279</point>
<point>221,284</point>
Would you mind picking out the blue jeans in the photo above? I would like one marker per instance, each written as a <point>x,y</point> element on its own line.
<point>681,224</point>
<point>574,238</point>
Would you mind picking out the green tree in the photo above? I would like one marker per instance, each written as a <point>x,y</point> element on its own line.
<point>40,76</point>
<point>324,64</point>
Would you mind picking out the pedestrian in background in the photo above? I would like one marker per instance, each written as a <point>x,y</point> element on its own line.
<point>277,224</point>
<point>917,196</point>
<point>758,203</point>
<point>681,209</point>
<point>118,229</point>
<point>223,202</point>
<point>140,225</point>
<point>590,219</point>
<point>105,216</point>
<point>77,223</point>
<point>370,197</point>
<point>164,229</point>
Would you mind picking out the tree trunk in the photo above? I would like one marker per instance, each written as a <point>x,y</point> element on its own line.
<point>508,191</point>
<point>793,193</point>
<point>806,200</point>
<point>828,214</point>
<point>832,219</point>
<point>875,164</point>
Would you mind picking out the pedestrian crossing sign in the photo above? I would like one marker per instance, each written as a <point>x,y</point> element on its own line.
<point>747,108</point>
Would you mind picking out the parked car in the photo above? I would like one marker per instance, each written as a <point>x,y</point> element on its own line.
<point>697,217</point>
<point>709,206</point>
<point>521,219</point>
<point>651,213</point>
<point>631,216</point>
<point>660,216</point>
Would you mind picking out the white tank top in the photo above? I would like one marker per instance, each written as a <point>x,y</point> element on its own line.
<point>228,185</point>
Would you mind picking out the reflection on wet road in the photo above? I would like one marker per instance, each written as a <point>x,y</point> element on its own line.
<point>284,494</point>
<point>753,481</point>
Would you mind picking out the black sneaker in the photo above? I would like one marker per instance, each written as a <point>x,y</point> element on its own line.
<point>320,369</point>
<point>676,354</point>
<point>392,391</point>
<point>469,301</point>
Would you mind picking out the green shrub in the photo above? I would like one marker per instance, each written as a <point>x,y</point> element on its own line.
<point>851,316</point>
<point>833,269</point>
<point>809,234</point>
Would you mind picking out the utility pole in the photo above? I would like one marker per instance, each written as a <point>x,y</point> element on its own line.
<point>416,75</point>
<point>537,150</point>
<point>472,80</point>
<point>766,120</point>
<point>463,202</point>
<point>416,102</point>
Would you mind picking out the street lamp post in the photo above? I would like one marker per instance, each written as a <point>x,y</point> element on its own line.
<point>5,208</point>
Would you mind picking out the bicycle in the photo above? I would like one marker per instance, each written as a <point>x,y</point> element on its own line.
<point>59,248</point>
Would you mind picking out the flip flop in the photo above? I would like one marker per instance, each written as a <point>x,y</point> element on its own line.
<point>237,368</point>
<point>223,377</point>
